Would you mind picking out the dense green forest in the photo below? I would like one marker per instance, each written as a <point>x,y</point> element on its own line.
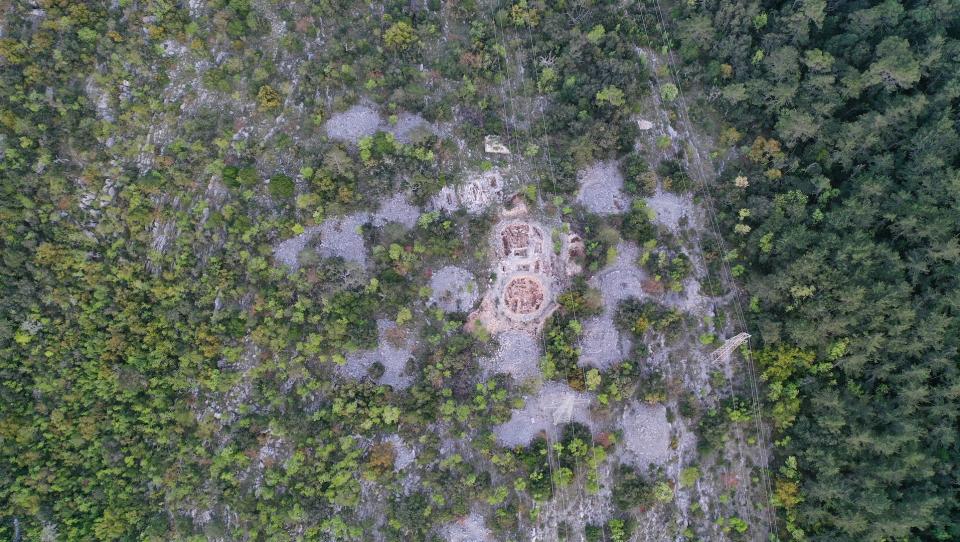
<point>165,376</point>
<point>848,112</point>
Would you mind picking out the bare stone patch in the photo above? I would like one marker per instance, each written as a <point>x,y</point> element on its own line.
<point>518,355</point>
<point>691,300</point>
<point>353,124</point>
<point>446,200</point>
<point>646,434</point>
<point>394,348</point>
<point>341,237</point>
<point>494,145</point>
<point>288,252</point>
<point>553,406</point>
<point>602,345</point>
<point>644,124</point>
<point>669,208</point>
<point>622,279</point>
<point>100,99</point>
<point>454,289</point>
<point>358,364</point>
<point>405,455</point>
<point>411,128</point>
<point>601,189</point>
<point>468,529</point>
<point>396,209</point>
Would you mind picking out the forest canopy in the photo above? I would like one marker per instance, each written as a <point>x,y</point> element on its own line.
<point>852,253</point>
<point>240,269</point>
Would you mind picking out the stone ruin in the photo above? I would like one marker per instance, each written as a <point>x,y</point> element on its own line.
<point>528,271</point>
<point>493,145</point>
<point>479,192</point>
<point>523,296</point>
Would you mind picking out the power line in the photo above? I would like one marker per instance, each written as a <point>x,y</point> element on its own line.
<point>553,461</point>
<point>728,275</point>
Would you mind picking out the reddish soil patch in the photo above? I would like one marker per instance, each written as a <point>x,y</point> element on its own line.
<point>653,287</point>
<point>523,295</point>
<point>516,240</point>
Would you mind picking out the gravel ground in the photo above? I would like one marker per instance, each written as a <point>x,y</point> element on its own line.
<point>622,279</point>
<point>646,434</point>
<point>339,237</point>
<point>601,189</point>
<point>471,528</point>
<point>396,209</point>
<point>287,252</point>
<point>602,345</point>
<point>395,349</point>
<point>518,355</point>
<point>670,208</point>
<point>405,454</point>
<point>539,414</point>
<point>393,357</point>
<point>354,123</point>
<point>691,300</point>
<point>454,289</point>
<point>411,128</point>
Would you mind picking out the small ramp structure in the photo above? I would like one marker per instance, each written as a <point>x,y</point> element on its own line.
<point>563,408</point>
<point>731,344</point>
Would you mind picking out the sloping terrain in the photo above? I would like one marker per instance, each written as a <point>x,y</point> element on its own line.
<point>264,281</point>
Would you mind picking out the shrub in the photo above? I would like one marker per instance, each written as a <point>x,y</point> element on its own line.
<point>637,175</point>
<point>640,316</point>
<point>632,489</point>
<point>689,476</point>
<point>669,92</point>
<point>235,177</point>
<point>281,187</point>
<point>399,36</point>
<point>268,98</point>
<point>637,225</point>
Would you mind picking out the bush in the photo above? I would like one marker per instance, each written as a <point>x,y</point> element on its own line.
<point>632,489</point>
<point>669,92</point>
<point>637,225</point>
<point>268,98</point>
<point>400,36</point>
<point>281,187</point>
<point>675,177</point>
<point>689,476</point>
<point>640,316</point>
<point>669,267</point>
<point>637,176</point>
<point>234,177</point>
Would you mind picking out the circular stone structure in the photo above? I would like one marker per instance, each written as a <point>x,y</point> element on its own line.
<point>531,261</point>
<point>524,297</point>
